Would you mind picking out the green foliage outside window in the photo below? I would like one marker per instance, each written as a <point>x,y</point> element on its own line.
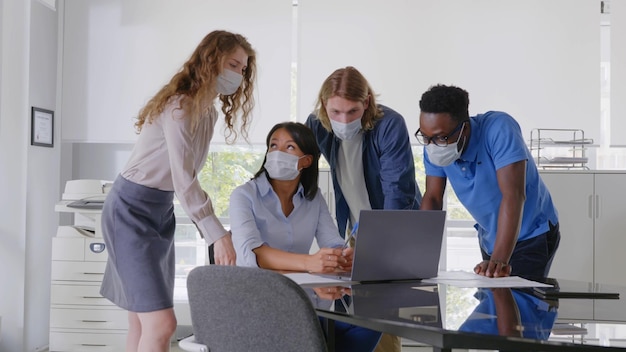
<point>233,166</point>
<point>456,210</point>
<point>224,171</point>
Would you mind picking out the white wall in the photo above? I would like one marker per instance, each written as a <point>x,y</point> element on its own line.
<point>618,73</point>
<point>13,154</point>
<point>42,177</point>
<point>537,60</point>
<point>99,161</point>
<point>29,176</point>
<point>117,54</point>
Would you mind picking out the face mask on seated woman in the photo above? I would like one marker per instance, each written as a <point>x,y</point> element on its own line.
<point>282,166</point>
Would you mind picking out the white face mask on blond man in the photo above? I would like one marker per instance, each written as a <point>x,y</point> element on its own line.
<point>346,131</point>
<point>282,166</point>
<point>228,82</point>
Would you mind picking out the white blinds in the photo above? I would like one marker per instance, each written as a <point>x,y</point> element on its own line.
<point>118,53</point>
<point>618,73</point>
<point>536,59</point>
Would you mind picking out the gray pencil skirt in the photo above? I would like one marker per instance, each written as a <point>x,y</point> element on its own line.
<point>138,227</point>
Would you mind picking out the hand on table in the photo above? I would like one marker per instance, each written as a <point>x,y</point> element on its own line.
<point>493,268</point>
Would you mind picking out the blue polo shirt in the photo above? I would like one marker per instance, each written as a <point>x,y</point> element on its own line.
<point>496,141</point>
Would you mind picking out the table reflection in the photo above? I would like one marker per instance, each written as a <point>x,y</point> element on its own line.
<point>449,317</point>
<point>407,301</point>
<point>510,312</point>
<point>495,311</point>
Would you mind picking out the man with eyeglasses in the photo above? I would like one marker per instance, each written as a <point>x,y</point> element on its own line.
<point>494,176</point>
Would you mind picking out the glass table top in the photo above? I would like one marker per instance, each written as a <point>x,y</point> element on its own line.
<point>507,314</point>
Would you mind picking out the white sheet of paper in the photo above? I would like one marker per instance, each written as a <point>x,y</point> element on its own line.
<point>308,279</point>
<point>469,279</point>
<point>453,278</point>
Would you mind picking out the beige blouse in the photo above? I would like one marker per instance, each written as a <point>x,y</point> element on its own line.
<point>167,156</point>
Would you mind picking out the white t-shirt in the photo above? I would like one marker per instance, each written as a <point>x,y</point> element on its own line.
<point>351,177</point>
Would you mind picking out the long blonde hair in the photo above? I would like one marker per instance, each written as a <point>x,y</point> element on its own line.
<point>196,82</point>
<point>350,84</point>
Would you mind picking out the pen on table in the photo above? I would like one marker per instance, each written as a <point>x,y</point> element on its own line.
<point>352,234</point>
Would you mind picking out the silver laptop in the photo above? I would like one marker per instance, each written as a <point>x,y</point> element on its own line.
<point>396,245</point>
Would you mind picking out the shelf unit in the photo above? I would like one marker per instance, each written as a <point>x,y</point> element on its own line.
<point>81,320</point>
<point>554,148</point>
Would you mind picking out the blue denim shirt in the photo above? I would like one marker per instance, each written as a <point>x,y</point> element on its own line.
<point>387,162</point>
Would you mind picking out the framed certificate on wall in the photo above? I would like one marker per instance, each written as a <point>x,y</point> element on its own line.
<point>42,127</point>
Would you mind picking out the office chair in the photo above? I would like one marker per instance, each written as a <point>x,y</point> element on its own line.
<point>236,309</point>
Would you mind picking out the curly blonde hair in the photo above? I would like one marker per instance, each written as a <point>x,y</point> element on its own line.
<point>196,82</point>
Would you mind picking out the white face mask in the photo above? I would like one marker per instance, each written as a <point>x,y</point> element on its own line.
<point>444,156</point>
<point>228,82</point>
<point>346,131</point>
<point>282,166</point>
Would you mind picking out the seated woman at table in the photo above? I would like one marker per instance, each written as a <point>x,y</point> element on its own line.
<point>276,215</point>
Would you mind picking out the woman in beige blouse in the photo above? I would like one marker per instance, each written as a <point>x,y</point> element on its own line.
<point>175,128</point>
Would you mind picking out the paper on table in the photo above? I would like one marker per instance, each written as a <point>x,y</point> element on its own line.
<point>469,279</point>
<point>307,279</point>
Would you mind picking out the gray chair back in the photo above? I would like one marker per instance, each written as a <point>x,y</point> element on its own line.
<point>238,309</point>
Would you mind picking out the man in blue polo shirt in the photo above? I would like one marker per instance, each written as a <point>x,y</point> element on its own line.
<point>494,176</point>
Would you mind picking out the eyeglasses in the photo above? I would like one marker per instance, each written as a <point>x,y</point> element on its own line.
<point>440,141</point>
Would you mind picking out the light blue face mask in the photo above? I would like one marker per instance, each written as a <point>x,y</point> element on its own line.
<point>345,131</point>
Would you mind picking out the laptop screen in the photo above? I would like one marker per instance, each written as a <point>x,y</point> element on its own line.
<point>398,244</point>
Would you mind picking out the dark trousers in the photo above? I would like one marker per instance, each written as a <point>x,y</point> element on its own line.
<point>211,255</point>
<point>352,338</point>
<point>533,257</point>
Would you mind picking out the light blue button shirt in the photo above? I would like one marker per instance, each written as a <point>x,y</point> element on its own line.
<point>256,218</point>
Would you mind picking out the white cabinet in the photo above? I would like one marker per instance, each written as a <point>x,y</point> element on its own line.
<point>571,194</point>
<point>80,318</point>
<point>592,221</point>
<point>610,223</point>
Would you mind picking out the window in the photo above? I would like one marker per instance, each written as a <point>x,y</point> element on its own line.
<point>226,168</point>
<point>462,251</point>
<point>230,166</point>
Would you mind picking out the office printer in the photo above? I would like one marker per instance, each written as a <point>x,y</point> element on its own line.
<point>86,193</point>
<point>84,199</point>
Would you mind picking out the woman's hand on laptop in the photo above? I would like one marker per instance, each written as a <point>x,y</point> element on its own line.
<point>348,254</point>
<point>327,260</point>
